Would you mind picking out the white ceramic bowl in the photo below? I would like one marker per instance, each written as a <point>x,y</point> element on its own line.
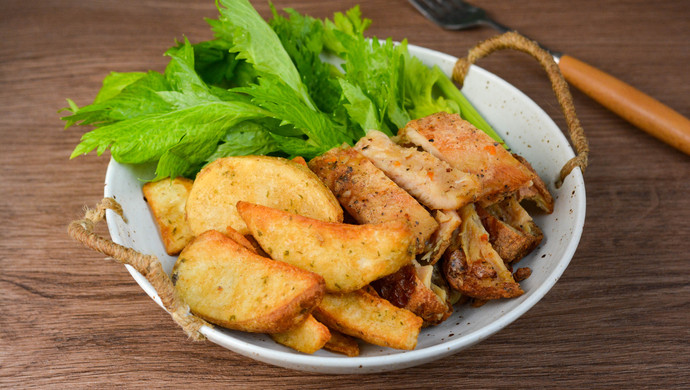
<point>525,127</point>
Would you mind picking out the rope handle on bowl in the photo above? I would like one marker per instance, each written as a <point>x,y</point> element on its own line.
<point>149,266</point>
<point>515,41</point>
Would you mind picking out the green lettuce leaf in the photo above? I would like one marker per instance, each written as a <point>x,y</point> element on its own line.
<point>422,96</point>
<point>283,103</point>
<point>263,88</point>
<point>115,83</point>
<point>180,138</point>
<point>254,41</point>
<point>303,39</point>
<point>214,63</point>
<point>246,138</point>
<point>138,98</point>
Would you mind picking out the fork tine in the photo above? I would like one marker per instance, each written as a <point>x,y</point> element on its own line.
<point>423,6</point>
<point>428,8</point>
<point>454,14</point>
<point>459,4</point>
<point>442,6</point>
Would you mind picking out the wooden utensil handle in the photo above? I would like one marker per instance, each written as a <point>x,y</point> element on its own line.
<point>629,103</point>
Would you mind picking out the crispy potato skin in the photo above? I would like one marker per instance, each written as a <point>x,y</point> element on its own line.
<point>341,343</point>
<point>368,195</point>
<point>370,318</point>
<point>240,239</point>
<point>348,256</point>
<point>271,181</point>
<point>229,285</point>
<point>167,199</point>
<point>307,337</point>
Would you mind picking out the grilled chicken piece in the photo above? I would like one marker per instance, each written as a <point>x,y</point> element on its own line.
<point>537,192</point>
<point>368,195</point>
<point>406,289</point>
<point>432,181</point>
<point>511,212</point>
<point>476,270</point>
<point>449,224</point>
<point>510,243</point>
<point>470,150</point>
<point>512,232</point>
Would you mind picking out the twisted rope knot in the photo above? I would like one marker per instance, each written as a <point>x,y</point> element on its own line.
<point>83,231</point>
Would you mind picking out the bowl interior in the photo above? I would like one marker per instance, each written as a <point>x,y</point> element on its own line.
<point>527,130</point>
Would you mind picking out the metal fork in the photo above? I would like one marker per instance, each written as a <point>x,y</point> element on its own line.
<point>631,104</point>
<point>455,14</point>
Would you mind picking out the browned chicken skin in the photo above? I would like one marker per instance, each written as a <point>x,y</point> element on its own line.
<point>537,192</point>
<point>476,269</point>
<point>405,289</point>
<point>512,232</point>
<point>368,195</point>
<point>470,150</point>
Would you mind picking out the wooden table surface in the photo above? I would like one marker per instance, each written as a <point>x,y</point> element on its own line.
<point>618,317</point>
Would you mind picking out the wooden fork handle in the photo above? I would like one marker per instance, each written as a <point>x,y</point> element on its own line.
<point>629,103</point>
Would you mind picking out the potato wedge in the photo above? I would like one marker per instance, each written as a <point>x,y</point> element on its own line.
<point>240,239</point>
<point>347,256</point>
<point>300,160</point>
<point>167,199</point>
<point>370,318</point>
<point>307,337</point>
<point>270,181</point>
<point>229,285</point>
<point>342,343</point>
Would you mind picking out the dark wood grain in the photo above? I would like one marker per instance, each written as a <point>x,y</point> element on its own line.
<point>618,318</point>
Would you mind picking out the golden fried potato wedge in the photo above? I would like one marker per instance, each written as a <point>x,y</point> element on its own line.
<point>231,286</point>
<point>307,337</point>
<point>347,256</point>
<point>370,318</point>
<point>167,199</point>
<point>300,160</point>
<point>341,343</point>
<point>240,239</point>
<point>270,181</point>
